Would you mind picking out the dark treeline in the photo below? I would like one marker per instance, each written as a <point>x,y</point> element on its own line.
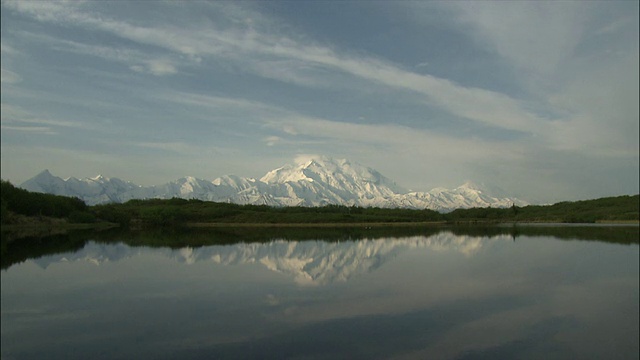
<point>619,208</point>
<point>18,202</point>
<point>177,211</point>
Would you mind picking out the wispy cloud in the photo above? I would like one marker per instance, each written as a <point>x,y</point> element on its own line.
<point>12,114</point>
<point>9,77</point>
<point>556,51</point>
<point>293,127</point>
<point>240,44</point>
<point>6,49</point>
<point>536,36</point>
<point>152,63</point>
<point>216,102</point>
<point>156,67</point>
<point>33,129</point>
<point>175,147</point>
<point>272,140</point>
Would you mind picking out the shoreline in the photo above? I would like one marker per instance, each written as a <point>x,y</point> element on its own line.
<point>49,228</point>
<point>403,224</point>
<point>312,225</point>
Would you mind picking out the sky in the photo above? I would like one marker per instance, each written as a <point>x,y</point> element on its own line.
<point>537,98</point>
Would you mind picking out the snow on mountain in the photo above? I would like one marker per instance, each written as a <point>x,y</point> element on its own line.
<point>465,196</point>
<point>94,190</point>
<point>313,181</point>
<point>307,263</point>
<point>338,174</point>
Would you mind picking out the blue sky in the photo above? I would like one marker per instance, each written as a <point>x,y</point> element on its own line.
<point>537,98</point>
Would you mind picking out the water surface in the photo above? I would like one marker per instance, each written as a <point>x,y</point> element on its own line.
<point>444,293</point>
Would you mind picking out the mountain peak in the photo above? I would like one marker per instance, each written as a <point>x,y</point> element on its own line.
<point>44,177</point>
<point>341,179</point>
<point>99,178</point>
<point>482,188</point>
<point>44,173</point>
<point>45,182</point>
<point>305,159</point>
<point>471,186</point>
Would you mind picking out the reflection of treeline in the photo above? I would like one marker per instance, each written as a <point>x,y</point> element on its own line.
<point>606,233</point>
<point>176,212</point>
<point>33,246</point>
<point>195,237</point>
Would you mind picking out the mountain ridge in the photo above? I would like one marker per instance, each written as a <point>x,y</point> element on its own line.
<point>316,181</point>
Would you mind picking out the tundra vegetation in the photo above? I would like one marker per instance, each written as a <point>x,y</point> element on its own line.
<point>20,206</point>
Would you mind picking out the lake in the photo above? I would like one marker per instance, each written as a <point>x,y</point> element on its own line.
<point>525,292</point>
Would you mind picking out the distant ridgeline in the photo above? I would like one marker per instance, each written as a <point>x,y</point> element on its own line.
<point>18,204</point>
<point>315,182</point>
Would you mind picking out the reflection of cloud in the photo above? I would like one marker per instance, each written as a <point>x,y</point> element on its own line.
<point>308,263</point>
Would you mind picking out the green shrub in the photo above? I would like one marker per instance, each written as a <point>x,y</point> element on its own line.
<point>81,217</point>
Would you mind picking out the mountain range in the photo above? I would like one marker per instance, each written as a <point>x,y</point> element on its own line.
<point>316,181</point>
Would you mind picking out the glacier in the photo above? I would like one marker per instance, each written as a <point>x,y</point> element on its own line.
<point>315,181</point>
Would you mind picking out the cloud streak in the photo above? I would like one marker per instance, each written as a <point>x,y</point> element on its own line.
<point>234,79</point>
<point>476,104</point>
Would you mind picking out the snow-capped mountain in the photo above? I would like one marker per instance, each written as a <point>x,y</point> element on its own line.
<point>323,181</point>
<point>96,190</point>
<point>315,181</point>
<point>467,195</point>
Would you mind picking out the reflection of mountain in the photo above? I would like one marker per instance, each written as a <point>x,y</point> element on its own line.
<point>18,249</point>
<point>94,253</point>
<point>307,262</point>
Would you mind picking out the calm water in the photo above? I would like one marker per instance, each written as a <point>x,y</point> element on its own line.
<point>464,294</point>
